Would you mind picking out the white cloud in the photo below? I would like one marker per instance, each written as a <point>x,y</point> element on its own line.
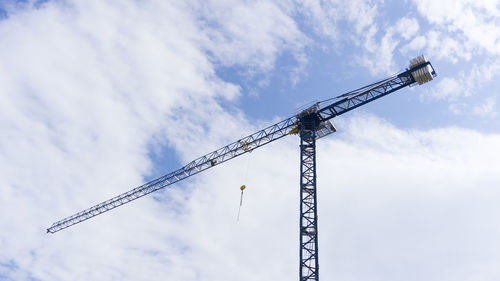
<point>482,108</point>
<point>443,46</point>
<point>325,16</point>
<point>86,87</point>
<point>410,203</point>
<point>252,33</point>
<point>407,27</point>
<point>482,73</point>
<point>475,23</point>
<point>468,84</point>
<point>485,109</point>
<point>416,45</point>
<point>447,89</point>
<point>378,56</point>
<point>319,17</point>
<point>361,24</point>
<point>466,34</point>
<point>361,29</point>
<point>378,53</point>
<point>391,201</point>
<point>361,13</point>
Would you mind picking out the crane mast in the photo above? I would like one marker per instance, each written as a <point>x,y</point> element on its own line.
<point>308,226</point>
<point>311,124</point>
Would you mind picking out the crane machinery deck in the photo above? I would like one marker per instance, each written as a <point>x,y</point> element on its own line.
<point>310,124</point>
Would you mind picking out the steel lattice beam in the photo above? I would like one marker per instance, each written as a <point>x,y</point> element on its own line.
<point>196,166</point>
<point>362,96</point>
<point>309,267</point>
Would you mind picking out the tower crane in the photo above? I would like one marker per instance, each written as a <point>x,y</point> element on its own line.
<point>310,124</point>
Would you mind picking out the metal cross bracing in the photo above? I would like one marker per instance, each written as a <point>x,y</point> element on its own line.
<point>308,227</point>
<point>312,123</point>
<point>198,165</point>
<point>368,94</point>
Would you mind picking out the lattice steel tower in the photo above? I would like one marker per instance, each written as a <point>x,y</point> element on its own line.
<point>308,227</point>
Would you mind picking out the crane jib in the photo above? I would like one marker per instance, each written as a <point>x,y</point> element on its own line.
<point>196,166</point>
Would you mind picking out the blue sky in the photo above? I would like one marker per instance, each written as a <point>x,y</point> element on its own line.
<point>337,68</point>
<point>99,96</point>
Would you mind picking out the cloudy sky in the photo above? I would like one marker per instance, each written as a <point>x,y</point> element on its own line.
<point>97,97</point>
